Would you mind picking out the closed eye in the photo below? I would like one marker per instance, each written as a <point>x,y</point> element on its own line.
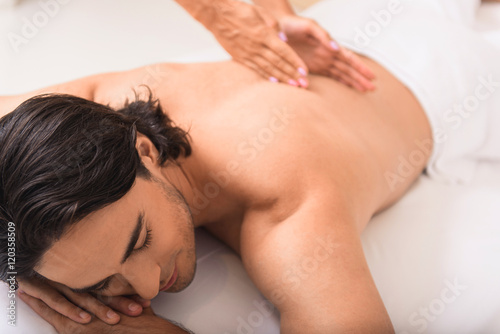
<point>103,287</point>
<point>147,240</point>
<point>145,245</point>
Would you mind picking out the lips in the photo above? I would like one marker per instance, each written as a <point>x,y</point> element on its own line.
<point>172,280</point>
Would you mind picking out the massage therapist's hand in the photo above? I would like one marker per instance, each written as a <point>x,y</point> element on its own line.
<point>323,55</point>
<point>250,34</point>
<point>147,322</point>
<point>79,307</point>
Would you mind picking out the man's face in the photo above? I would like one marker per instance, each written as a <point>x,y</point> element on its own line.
<point>95,248</point>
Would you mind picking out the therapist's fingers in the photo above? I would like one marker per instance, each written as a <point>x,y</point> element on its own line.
<point>280,54</point>
<point>285,59</point>
<point>278,68</point>
<point>323,37</point>
<point>345,79</point>
<point>353,74</point>
<point>262,67</point>
<point>355,62</point>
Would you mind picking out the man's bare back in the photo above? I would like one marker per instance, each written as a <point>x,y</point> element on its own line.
<point>328,136</point>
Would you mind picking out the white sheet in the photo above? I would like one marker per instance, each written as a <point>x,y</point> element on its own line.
<point>451,69</point>
<point>435,235</point>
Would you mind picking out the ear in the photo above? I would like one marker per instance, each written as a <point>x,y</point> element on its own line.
<point>147,150</point>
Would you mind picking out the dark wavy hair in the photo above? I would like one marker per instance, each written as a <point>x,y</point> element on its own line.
<point>63,157</point>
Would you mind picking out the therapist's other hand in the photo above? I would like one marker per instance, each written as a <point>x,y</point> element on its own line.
<point>251,36</point>
<point>323,55</point>
<point>79,307</point>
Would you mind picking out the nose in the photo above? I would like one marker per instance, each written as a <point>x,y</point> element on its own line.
<point>145,283</point>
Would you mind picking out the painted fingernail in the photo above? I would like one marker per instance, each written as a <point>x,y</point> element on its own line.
<point>134,307</point>
<point>282,36</point>
<point>20,291</point>
<point>84,315</point>
<point>303,83</point>
<point>293,83</point>
<point>334,45</point>
<point>111,314</point>
<point>302,72</point>
<point>273,79</point>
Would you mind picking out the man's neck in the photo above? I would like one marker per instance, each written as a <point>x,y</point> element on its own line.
<point>188,179</point>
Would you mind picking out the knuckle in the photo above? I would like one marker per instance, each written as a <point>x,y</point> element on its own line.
<point>268,68</point>
<point>58,299</point>
<point>44,308</point>
<point>107,299</point>
<point>277,62</point>
<point>101,309</point>
<point>71,328</point>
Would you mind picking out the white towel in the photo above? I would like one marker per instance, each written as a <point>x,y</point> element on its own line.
<point>452,70</point>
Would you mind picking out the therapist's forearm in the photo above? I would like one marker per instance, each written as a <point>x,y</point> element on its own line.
<point>278,8</point>
<point>203,11</point>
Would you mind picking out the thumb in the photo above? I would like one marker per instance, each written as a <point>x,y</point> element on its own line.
<point>324,38</point>
<point>148,310</point>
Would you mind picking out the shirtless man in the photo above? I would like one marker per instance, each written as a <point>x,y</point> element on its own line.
<point>274,171</point>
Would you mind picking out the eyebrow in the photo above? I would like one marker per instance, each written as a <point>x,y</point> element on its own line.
<point>130,248</point>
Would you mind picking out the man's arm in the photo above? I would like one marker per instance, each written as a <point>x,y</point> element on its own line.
<point>146,323</point>
<point>311,266</point>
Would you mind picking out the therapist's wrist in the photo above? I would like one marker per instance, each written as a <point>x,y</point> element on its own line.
<point>208,12</point>
<point>278,9</point>
<point>203,11</point>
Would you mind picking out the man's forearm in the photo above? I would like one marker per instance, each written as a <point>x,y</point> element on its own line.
<point>278,8</point>
<point>148,325</point>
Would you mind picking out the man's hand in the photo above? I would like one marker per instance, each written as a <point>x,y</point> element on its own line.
<point>147,322</point>
<point>323,55</point>
<point>76,306</point>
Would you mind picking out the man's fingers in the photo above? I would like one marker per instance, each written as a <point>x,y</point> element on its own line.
<point>43,310</point>
<point>149,310</point>
<point>122,304</point>
<point>94,306</point>
<point>144,302</point>
<point>56,301</point>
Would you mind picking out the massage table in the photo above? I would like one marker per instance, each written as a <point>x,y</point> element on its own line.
<point>434,255</point>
